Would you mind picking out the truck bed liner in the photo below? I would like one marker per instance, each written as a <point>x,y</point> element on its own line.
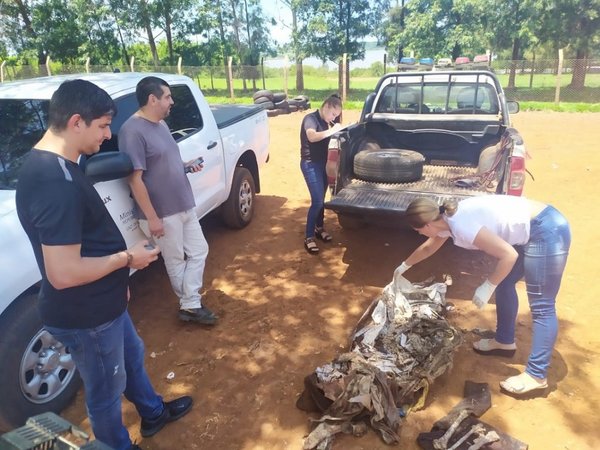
<point>386,197</point>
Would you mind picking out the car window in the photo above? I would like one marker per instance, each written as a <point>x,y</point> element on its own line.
<point>22,124</point>
<point>185,117</point>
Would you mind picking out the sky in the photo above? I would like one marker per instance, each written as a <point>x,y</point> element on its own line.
<point>281,13</point>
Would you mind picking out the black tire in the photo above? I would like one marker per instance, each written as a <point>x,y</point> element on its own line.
<point>292,108</point>
<point>350,221</point>
<point>283,105</point>
<point>239,208</point>
<point>268,105</point>
<point>279,97</point>
<point>260,100</point>
<point>391,165</point>
<point>291,102</point>
<point>263,93</point>
<point>302,98</point>
<point>38,374</point>
<point>274,112</point>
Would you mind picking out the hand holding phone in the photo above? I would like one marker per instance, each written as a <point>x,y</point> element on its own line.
<point>196,162</point>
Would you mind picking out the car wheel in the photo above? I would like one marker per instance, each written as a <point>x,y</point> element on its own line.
<point>390,165</point>
<point>350,221</point>
<point>239,207</point>
<point>38,373</point>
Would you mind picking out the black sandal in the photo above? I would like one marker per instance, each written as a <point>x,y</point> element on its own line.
<point>311,246</point>
<point>323,235</point>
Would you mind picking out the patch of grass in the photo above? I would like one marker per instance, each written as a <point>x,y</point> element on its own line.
<point>561,107</point>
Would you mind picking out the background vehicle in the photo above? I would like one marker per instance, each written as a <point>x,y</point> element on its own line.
<point>37,371</point>
<point>434,134</point>
<point>462,63</point>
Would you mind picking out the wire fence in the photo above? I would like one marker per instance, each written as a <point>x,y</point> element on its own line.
<point>549,80</point>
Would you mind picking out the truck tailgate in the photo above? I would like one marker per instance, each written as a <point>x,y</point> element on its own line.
<point>385,198</point>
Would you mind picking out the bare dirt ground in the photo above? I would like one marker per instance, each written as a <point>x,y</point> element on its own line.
<point>284,312</point>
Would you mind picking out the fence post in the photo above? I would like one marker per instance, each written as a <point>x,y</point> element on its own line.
<point>262,69</point>
<point>558,75</point>
<point>286,63</point>
<point>87,65</point>
<point>179,61</point>
<point>344,80</point>
<point>131,61</point>
<point>230,75</point>
<point>384,63</point>
<point>2,71</point>
<point>48,71</point>
<point>532,71</point>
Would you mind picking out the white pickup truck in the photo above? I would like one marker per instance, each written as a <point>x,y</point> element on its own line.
<point>37,373</point>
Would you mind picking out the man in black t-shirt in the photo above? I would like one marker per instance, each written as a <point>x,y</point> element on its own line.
<point>85,264</point>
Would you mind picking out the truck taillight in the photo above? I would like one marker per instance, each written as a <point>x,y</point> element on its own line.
<point>333,155</point>
<point>516,179</point>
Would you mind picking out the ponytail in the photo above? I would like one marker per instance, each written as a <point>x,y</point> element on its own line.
<point>422,211</point>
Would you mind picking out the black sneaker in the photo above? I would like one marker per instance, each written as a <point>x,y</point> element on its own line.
<point>200,315</point>
<point>172,411</point>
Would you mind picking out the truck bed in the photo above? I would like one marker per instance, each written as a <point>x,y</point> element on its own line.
<point>359,195</point>
<point>226,115</point>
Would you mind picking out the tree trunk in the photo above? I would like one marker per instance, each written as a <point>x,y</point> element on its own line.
<point>222,36</point>
<point>579,70</point>
<point>513,63</point>
<point>299,75</point>
<point>168,32</point>
<point>148,28</point>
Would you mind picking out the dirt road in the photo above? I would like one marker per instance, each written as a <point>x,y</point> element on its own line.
<point>284,312</point>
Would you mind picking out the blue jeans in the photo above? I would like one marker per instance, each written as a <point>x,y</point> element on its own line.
<point>542,261</point>
<point>316,180</point>
<point>110,360</point>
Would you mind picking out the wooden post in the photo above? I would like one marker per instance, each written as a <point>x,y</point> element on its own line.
<point>179,61</point>
<point>48,70</point>
<point>87,65</point>
<point>532,71</point>
<point>2,71</point>
<point>344,80</point>
<point>384,63</point>
<point>286,62</point>
<point>262,69</point>
<point>558,75</point>
<point>131,62</point>
<point>230,75</point>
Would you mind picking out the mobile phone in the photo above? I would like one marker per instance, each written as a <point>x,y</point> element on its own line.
<point>200,160</point>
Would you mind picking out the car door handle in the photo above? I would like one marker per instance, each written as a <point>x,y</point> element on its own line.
<point>211,144</point>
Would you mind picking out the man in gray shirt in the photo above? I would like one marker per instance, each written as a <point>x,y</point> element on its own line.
<point>163,196</point>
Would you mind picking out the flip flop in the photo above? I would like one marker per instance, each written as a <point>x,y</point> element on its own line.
<point>522,384</point>
<point>323,235</point>
<point>489,347</point>
<point>311,246</point>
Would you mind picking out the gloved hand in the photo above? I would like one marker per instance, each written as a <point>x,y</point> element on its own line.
<point>483,294</point>
<point>401,269</point>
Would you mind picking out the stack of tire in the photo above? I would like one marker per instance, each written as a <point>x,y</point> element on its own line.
<point>277,103</point>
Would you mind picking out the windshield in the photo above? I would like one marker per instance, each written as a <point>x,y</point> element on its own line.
<point>22,124</point>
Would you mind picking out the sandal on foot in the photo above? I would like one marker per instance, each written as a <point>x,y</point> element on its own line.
<point>311,246</point>
<point>323,235</point>
<point>490,347</point>
<point>523,384</point>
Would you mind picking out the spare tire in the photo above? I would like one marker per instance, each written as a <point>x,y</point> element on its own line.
<point>263,93</point>
<point>390,165</point>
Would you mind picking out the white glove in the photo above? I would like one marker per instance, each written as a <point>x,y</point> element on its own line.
<point>401,269</point>
<point>483,293</point>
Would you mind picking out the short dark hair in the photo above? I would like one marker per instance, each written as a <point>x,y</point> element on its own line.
<point>147,86</point>
<point>79,97</point>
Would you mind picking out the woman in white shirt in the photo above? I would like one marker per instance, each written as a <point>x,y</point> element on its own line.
<point>529,239</point>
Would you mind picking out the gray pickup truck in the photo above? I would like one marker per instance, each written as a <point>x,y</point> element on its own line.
<point>441,134</point>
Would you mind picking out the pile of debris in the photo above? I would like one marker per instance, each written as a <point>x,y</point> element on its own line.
<point>399,347</point>
<point>277,103</point>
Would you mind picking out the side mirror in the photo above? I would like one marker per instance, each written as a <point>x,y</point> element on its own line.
<point>108,166</point>
<point>513,107</point>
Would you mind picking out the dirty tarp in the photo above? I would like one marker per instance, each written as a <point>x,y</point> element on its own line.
<point>399,346</point>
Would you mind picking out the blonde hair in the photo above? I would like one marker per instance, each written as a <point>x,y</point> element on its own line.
<point>422,211</point>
